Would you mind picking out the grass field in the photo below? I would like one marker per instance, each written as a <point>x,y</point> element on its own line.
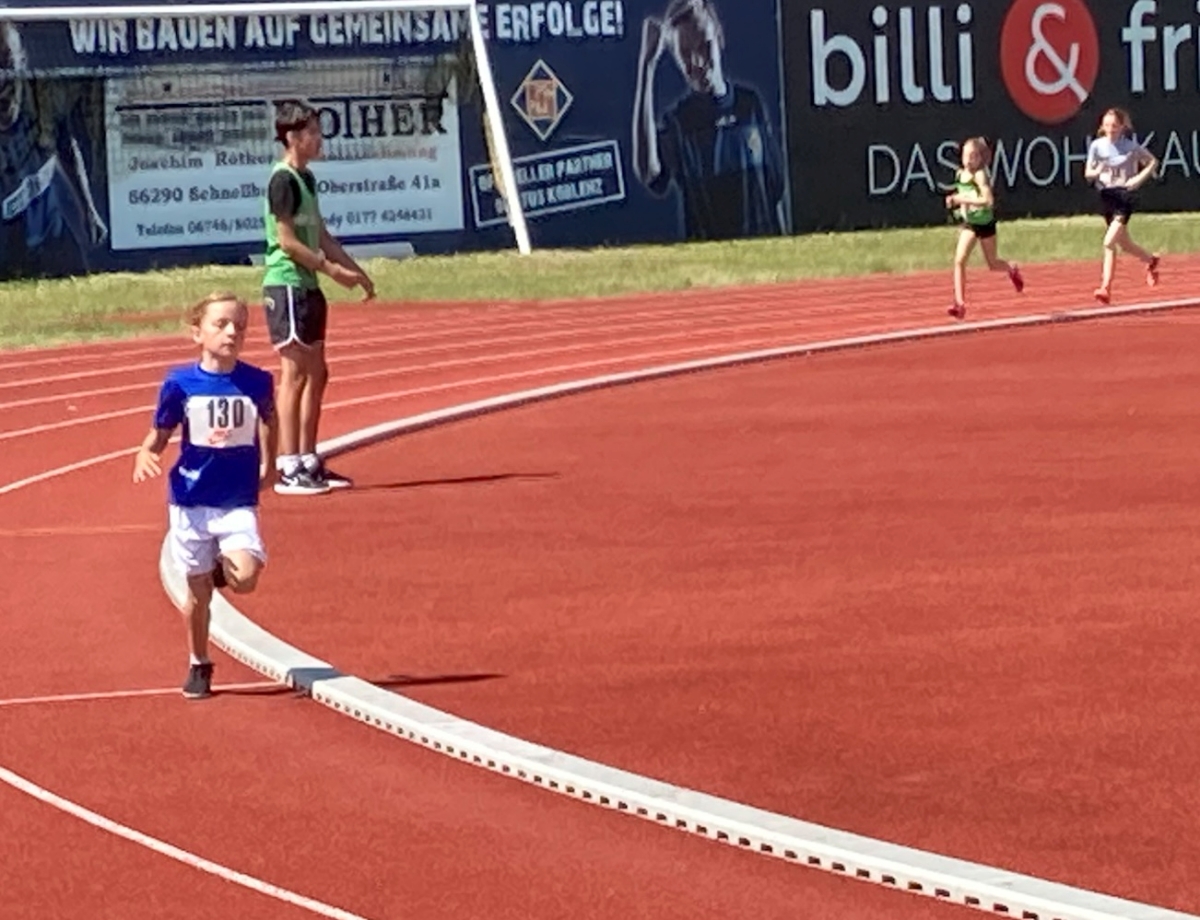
<point>121,305</point>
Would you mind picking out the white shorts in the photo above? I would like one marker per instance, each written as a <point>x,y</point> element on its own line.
<point>198,535</point>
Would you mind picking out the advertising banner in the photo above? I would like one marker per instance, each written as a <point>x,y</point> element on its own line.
<point>666,126</point>
<point>189,153</point>
<point>629,121</point>
<point>52,179</point>
<point>880,96</point>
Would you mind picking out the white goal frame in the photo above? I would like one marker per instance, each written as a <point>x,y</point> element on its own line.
<point>491,100</point>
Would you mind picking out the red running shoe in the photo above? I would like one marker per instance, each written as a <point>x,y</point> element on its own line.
<point>1152,272</point>
<point>958,311</point>
<point>1018,281</point>
<point>1102,295</point>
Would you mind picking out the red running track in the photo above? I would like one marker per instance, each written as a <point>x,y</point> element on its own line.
<point>278,788</point>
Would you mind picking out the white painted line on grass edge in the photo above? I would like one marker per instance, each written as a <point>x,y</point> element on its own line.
<point>174,852</point>
<point>902,868</point>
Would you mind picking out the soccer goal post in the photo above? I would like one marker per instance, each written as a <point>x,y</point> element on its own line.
<point>461,58</point>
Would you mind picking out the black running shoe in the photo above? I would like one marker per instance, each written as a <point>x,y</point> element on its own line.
<point>333,480</point>
<point>301,482</point>
<point>198,685</point>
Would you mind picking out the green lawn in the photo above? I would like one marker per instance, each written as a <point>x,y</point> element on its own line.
<point>119,305</point>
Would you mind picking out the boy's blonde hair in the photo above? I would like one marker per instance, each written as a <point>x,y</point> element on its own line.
<point>196,312</point>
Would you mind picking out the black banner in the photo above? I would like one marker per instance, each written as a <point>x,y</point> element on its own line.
<point>880,95</point>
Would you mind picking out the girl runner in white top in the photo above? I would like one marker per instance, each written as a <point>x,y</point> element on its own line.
<point>1119,166</point>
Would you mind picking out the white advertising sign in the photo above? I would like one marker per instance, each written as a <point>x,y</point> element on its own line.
<point>190,151</point>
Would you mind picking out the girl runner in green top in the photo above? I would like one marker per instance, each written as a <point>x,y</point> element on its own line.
<point>974,204</point>
<point>298,248</point>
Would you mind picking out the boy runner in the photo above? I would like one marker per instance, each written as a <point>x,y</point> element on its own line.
<point>226,410</point>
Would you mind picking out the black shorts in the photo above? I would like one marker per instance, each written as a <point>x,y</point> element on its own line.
<point>295,315</point>
<point>1116,202</point>
<point>982,231</point>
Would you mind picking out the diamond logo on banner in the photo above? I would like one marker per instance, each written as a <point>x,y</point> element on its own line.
<point>542,100</point>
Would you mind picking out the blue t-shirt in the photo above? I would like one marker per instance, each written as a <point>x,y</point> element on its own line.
<point>723,156</point>
<point>219,457</point>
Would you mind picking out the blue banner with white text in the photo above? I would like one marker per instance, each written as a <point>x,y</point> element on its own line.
<point>134,143</point>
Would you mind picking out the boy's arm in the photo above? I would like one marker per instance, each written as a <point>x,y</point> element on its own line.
<point>148,462</point>
<point>168,415</point>
<point>338,255</point>
<point>312,259</point>
<point>283,197</point>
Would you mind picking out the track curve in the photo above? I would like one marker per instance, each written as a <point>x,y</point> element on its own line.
<point>214,780</point>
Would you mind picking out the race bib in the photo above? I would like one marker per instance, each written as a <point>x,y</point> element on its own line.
<point>222,421</point>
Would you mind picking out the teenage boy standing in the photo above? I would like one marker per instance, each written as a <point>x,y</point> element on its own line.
<point>298,247</point>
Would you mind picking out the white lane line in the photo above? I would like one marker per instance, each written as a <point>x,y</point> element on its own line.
<point>173,852</point>
<point>451,364</point>
<point>455,342</point>
<point>454,332</point>
<point>64,470</point>
<point>89,462</point>
<point>694,350</point>
<point>1130,310</point>
<point>103,695</point>
<point>75,422</point>
<point>986,888</point>
<point>458,319</point>
<point>70,530</point>
<point>551,370</point>
<point>457,345</point>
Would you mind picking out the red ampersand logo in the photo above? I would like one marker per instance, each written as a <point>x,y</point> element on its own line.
<point>1049,57</point>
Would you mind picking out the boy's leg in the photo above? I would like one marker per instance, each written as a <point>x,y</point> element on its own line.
<point>242,553</point>
<point>196,614</point>
<point>279,304</point>
<point>310,423</point>
<point>296,318</point>
<point>311,398</point>
<point>293,380</point>
<point>242,569</point>
<point>291,400</point>
<point>194,551</point>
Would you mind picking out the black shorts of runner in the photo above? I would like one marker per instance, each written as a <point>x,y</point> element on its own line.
<point>1116,202</point>
<point>982,231</point>
<point>295,315</point>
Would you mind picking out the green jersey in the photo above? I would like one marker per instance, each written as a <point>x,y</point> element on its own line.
<point>281,270</point>
<point>974,214</point>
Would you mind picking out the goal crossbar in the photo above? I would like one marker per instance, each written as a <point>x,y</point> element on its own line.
<point>491,100</point>
<point>231,8</point>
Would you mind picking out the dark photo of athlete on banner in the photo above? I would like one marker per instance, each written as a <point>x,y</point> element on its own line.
<point>49,223</point>
<point>715,145</point>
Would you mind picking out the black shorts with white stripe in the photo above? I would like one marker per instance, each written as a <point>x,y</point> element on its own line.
<point>295,315</point>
